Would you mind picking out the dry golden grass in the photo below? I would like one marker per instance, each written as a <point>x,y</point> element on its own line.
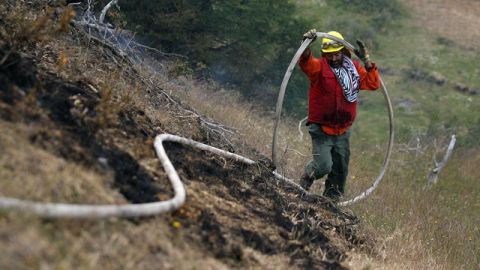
<point>254,125</point>
<point>31,173</point>
<point>415,227</point>
<point>29,242</point>
<point>421,228</point>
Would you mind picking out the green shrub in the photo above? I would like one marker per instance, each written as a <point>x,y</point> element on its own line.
<point>241,42</point>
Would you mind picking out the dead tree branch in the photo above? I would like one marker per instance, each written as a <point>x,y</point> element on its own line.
<point>414,145</point>
<point>122,41</point>
<point>105,9</point>
<point>300,137</point>
<point>438,166</point>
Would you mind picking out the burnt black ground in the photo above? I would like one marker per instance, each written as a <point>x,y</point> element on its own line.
<point>255,209</point>
<point>299,222</point>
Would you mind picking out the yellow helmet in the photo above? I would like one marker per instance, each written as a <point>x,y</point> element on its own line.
<point>329,45</point>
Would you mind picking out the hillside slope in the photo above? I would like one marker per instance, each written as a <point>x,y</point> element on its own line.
<point>455,20</point>
<point>77,124</point>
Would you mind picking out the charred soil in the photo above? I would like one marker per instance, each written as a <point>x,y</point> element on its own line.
<point>235,214</point>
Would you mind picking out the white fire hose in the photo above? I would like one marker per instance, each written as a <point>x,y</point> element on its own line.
<point>62,210</point>
<point>281,96</point>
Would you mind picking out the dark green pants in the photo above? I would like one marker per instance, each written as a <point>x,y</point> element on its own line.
<point>330,157</point>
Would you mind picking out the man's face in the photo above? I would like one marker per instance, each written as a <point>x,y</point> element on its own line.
<point>334,59</point>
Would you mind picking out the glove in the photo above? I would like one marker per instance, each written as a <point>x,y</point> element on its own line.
<point>311,34</point>
<point>362,52</point>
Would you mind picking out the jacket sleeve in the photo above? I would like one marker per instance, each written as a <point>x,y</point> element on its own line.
<point>310,66</point>
<point>369,80</point>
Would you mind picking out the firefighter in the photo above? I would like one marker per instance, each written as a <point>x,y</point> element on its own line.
<point>335,80</point>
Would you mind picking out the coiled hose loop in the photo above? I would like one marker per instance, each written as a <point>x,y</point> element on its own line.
<point>278,112</point>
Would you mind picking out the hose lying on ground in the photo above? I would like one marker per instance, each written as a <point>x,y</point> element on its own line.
<point>61,210</point>
<point>278,113</point>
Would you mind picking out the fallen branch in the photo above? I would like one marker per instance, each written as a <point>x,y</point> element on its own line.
<point>296,151</point>
<point>106,8</point>
<point>438,166</point>
<point>300,128</point>
<point>112,37</point>
<point>160,52</point>
<point>5,57</point>
<point>413,145</point>
<point>211,127</point>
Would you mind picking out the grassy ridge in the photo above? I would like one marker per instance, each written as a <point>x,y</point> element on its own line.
<point>417,227</point>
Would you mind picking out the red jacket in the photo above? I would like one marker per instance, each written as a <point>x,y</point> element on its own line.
<point>326,104</point>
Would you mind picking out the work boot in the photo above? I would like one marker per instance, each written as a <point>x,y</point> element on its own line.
<point>306,181</point>
<point>333,194</point>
